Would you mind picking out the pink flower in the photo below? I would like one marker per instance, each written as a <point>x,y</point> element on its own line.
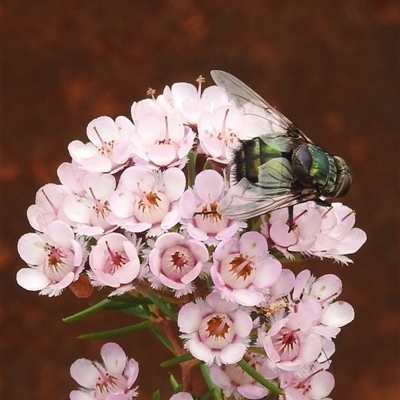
<point>243,269</point>
<point>316,385</point>
<point>199,210</point>
<point>72,176</point>
<point>160,139</point>
<point>147,200</point>
<point>337,235</point>
<point>220,133</point>
<point>47,207</point>
<point>89,211</point>
<point>215,330</point>
<point>319,231</point>
<point>99,381</point>
<point>176,262</point>
<point>114,262</point>
<point>316,298</point>
<point>189,103</point>
<point>56,259</point>
<point>109,147</point>
<point>291,344</point>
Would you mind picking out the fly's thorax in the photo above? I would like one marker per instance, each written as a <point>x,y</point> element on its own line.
<point>251,155</point>
<point>315,168</point>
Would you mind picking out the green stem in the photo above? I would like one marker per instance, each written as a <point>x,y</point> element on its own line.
<point>191,167</point>
<point>215,389</point>
<point>259,378</point>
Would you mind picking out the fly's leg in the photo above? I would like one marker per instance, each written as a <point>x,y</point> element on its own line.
<point>290,219</point>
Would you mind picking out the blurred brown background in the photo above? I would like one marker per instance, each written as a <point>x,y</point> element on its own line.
<point>330,66</point>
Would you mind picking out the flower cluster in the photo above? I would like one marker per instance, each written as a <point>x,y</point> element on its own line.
<point>136,211</point>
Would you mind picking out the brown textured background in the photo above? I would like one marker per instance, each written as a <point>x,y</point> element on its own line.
<point>331,66</point>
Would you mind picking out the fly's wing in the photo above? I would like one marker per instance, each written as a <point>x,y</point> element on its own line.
<point>262,118</point>
<point>275,175</point>
<point>245,200</point>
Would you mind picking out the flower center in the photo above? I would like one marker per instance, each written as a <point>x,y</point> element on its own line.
<point>176,262</point>
<point>216,331</point>
<point>238,272</point>
<point>151,207</point>
<point>287,344</point>
<point>208,219</point>
<point>59,263</point>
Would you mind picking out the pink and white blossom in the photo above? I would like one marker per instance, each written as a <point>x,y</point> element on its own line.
<point>89,211</point>
<point>317,230</point>
<point>215,330</point>
<point>109,148</point>
<point>48,206</point>
<point>316,385</point>
<point>189,102</point>
<point>199,210</point>
<point>110,380</point>
<point>317,299</point>
<point>147,199</point>
<point>220,133</point>
<point>56,258</point>
<point>176,261</point>
<point>114,262</point>
<point>291,344</point>
<point>243,269</point>
<point>71,176</point>
<point>160,139</point>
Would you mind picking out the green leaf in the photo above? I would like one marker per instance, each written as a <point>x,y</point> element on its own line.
<point>161,305</point>
<point>156,395</point>
<point>191,165</point>
<point>271,386</point>
<point>177,360</point>
<point>162,338</point>
<point>174,383</point>
<point>88,311</point>
<point>138,312</point>
<point>216,391</point>
<point>116,332</point>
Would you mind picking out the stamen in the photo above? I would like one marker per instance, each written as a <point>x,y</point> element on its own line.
<point>116,259</point>
<point>105,146</point>
<point>166,139</point>
<point>51,204</point>
<point>200,80</point>
<point>298,216</point>
<point>151,92</point>
<point>348,215</point>
<point>326,212</point>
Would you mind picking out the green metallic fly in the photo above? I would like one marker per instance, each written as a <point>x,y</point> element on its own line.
<point>280,167</point>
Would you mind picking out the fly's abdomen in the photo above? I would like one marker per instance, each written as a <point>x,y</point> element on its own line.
<point>251,156</point>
